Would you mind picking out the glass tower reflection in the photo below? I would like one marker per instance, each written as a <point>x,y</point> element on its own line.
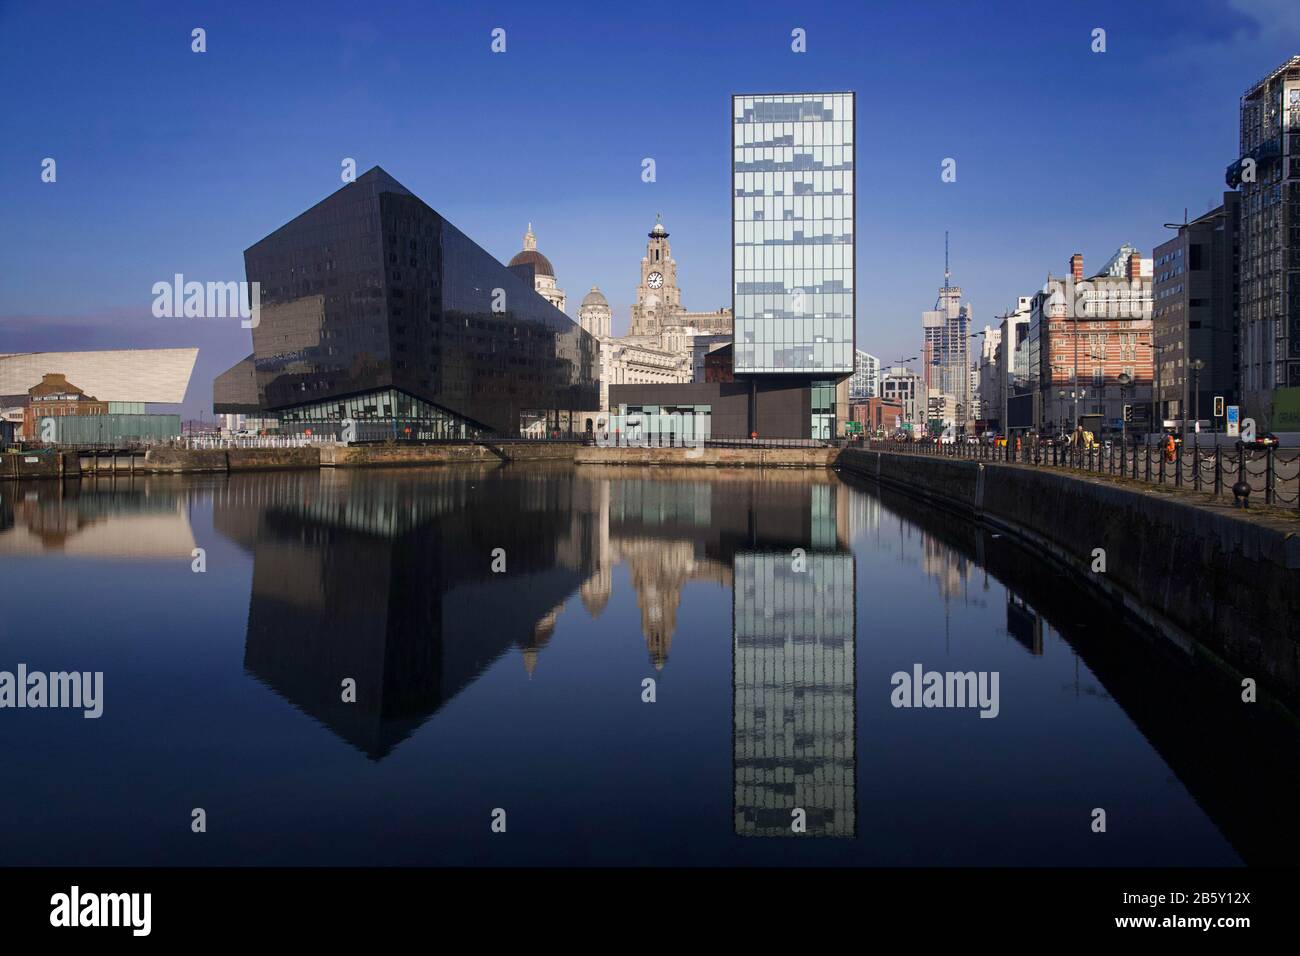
<point>794,694</point>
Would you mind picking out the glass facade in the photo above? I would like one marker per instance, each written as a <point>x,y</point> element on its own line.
<point>659,425</point>
<point>378,416</point>
<point>371,293</point>
<point>793,232</point>
<point>823,410</point>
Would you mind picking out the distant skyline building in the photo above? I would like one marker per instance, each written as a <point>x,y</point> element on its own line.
<point>946,346</point>
<point>906,388</point>
<point>865,382</point>
<point>378,311</point>
<point>1267,172</point>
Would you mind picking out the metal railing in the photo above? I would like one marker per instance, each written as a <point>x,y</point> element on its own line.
<point>1270,473</point>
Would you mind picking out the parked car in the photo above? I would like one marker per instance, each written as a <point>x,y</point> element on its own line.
<point>1263,442</point>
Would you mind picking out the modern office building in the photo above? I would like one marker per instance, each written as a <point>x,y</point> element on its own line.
<point>793,245</point>
<point>376,309</point>
<point>865,382</point>
<point>793,292</point>
<point>1194,313</point>
<point>906,388</point>
<point>1011,401</point>
<point>1267,172</point>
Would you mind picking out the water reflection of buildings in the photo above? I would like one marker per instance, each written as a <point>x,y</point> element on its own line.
<point>386,579</point>
<point>793,632</point>
<point>122,521</point>
<point>794,694</point>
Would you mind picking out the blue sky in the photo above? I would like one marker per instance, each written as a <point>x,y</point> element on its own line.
<point>171,161</point>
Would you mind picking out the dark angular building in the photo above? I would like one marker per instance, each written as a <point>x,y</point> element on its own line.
<point>375,308</point>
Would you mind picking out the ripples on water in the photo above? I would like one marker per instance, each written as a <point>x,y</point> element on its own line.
<point>523,690</point>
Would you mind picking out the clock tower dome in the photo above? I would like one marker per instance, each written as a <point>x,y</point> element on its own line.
<point>657,297</point>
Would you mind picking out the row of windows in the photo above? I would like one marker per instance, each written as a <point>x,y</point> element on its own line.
<point>791,207</point>
<point>829,357</point>
<point>802,136</point>
<point>792,107</point>
<point>791,182</point>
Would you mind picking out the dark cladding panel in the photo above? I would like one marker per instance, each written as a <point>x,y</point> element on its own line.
<point>234,391</point>
<point>323,331</point>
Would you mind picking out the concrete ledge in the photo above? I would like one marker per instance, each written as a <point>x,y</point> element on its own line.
<point>370,456</point>
<point>271,459</point>
<point>1225,578</point>
<point>709,457</point>
<point>177,461</point>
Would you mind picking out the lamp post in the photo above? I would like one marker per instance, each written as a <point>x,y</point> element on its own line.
<point>1197,365</point>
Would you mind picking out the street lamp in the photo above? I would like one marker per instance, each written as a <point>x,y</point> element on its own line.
<point>1196,365</point>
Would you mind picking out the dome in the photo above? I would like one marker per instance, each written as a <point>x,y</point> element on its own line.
<point>658,231</point>
<point>541,265</point>
<point>594,297</point>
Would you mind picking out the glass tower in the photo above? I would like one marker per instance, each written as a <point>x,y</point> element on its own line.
<point>792,233</point>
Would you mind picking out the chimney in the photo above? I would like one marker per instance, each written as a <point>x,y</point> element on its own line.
<point>1135,266</point>
<point>1076,266</point>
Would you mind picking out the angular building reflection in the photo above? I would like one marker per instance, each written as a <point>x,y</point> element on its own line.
<point>386,579</point>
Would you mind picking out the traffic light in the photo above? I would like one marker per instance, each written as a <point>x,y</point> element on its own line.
<point>1128,413</point>
<point>1218,406</point>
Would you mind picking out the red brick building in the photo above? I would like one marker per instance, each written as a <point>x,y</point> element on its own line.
<point>55,396</point>
<point>878,415</point>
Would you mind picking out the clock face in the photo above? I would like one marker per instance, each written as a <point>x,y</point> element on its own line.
<point>654,280</point>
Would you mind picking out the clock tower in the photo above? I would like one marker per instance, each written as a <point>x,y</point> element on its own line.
<point>657,297</point>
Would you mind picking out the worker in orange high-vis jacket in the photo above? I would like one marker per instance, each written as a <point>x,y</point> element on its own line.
<point>1169,447</point>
